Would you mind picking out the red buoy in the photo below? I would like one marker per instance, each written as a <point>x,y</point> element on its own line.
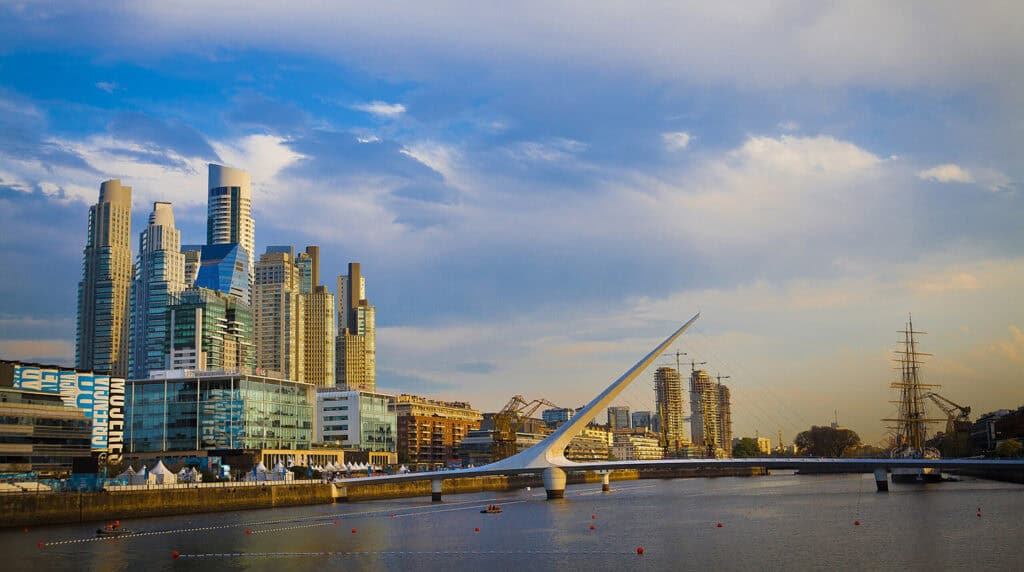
<point>353,531</point>
<point>175,555</point>
<point>117,523</point>
<point>26,529</point>
<point>335,521</point>
<point>640,550</point>
<point>39,544</point>
<point>856,523</point>
<point>477,529</point>
<point>591,527</point>
<point>392,515</point>
<point>593,517</point>
<point>248,531</point>
<point>719,525</point>
<point>979,515</point>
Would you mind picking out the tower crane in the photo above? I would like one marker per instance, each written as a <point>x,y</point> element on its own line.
<point>509,421</point>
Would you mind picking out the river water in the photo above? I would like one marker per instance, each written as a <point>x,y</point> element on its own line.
<point>781,522</point>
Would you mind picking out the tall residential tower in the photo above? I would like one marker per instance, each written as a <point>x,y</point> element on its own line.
<point>101,342</point>
<point>229,211</point>
<point>356,347</point>
<point>668,393</point>
<point>278,316</point>
<point>160,273</point>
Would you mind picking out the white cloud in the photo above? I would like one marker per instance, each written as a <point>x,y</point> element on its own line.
<point>947,173</point>
<point>557,149</point>
<point>676,140</point>
<point>381,108</point>
<point>107,86</point>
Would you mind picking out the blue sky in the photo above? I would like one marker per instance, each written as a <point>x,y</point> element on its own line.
<point>538,194</point>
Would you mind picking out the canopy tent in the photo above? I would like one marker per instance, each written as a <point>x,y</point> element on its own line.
<point>164,476</point>
<point>143,477</point>
<point>127,473</point>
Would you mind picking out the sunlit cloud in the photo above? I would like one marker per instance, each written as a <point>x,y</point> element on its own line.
<point>381,108</point>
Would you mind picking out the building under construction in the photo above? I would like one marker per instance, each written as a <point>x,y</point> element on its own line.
<point>668,392</point>
<point>710,414</point>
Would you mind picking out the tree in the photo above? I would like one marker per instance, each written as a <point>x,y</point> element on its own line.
<point>746,447</point>
<point>826,441</point>
<point>1010,449</point>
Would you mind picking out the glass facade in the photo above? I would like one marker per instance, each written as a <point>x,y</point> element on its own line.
<point>218,412</point>
<point>225,268</point>
<point>39,434</point>
<point>218,327</point>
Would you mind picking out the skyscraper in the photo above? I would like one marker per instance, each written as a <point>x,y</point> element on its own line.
<point>210,330</point>
<point>229,211</point>
<point>224,268</point>
<point>704,413</point>
<point>101,342</point>
<point>319,343</point>
<point>725,418</point>
<point>159,274</point>
<point>309,269</point>
<point>193,254</point>
<point>278,316</point>
<point>668,394</point>
<point>356,348</point>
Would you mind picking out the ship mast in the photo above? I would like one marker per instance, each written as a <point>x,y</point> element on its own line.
<point>911,422</point>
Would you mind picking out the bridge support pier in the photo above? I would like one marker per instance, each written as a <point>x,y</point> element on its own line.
<point>606,482</point>
<point>435,490</point>
<point>554,482</point>
<point>881,480</point>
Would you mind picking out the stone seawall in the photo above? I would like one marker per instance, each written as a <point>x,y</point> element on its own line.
<point>66,508</point>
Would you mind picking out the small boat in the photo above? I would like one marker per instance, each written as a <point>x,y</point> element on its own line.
<point>491,509</point>
<point>114,531</point>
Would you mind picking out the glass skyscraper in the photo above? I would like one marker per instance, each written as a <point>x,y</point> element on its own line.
<point>159,274</point>
<point>225,268</point>
<point>229,211</point>
<point>101,342</point>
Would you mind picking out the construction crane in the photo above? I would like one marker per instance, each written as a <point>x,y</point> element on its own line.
<point>956,441</point>
<point>509,421</point>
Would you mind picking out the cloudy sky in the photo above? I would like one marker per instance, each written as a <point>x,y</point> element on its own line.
<point>538,195</point>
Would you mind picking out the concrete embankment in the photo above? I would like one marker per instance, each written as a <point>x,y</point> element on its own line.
<point>66,508</point>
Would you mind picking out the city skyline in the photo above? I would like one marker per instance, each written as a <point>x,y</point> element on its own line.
<point>535,229</point>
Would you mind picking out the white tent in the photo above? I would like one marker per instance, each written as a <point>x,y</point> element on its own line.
<point>164,476</point>
<point>403,469</point>
<point>261,468</point>
<point>143,477</point>
<point>127,473</point>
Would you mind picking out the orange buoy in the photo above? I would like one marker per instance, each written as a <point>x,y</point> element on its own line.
<point>335,521</point>
<point>353,531</point>
<point>593,517</point>
<point>392,515</point>
<point>175,554</point>
<point>640,550</point>
<point>719,525</point>
<point>117,523</point>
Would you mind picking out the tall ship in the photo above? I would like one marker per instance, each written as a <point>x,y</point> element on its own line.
<point>911,422</point>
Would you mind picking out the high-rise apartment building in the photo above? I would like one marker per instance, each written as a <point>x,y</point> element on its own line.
<point>210,330</point>
<point>668,391</point>
<point>229,211</point>
<point>101,342</point>
<point>319,342</point>
<point>618,417</point>
<point>430,431</point>
<point>705,414</point>
<point>356,347</point>
<point>725,418</point>
<point>278,316</point>
<point>160,273</point>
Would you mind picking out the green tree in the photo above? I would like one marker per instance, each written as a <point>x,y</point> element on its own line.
<point>746,447</point>
<point>826,441</point>
<point>1010,449</point>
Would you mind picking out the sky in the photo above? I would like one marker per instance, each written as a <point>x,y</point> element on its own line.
<point>538,195</point>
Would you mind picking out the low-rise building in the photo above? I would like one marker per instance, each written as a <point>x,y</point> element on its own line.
<point>637,446</point>
<point>359,420</point>
<point>39,434</point>
<point>430,431</point>
<point>178,410</point>
<point>592,444</point>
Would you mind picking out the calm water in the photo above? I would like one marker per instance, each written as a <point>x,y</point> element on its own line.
<point>778,522</point>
